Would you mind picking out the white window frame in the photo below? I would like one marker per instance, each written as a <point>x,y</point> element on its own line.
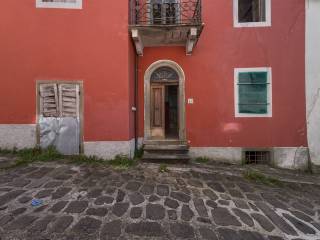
<point>76,5</point>
<point>269,91</point>
<point>238,24</point>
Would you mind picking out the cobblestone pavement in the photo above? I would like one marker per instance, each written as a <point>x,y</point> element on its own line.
<point>85,202</point>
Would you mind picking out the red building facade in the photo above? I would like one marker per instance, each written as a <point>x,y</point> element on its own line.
<point>227,85</point>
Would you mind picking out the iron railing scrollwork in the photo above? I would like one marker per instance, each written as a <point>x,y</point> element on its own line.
<point>165,12</point>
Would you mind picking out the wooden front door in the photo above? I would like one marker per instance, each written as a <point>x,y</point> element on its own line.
<point>157,111</point>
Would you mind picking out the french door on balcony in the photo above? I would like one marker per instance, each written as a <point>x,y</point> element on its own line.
<point>165,11</point>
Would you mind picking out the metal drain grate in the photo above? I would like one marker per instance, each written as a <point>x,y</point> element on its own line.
<point>257,157</point>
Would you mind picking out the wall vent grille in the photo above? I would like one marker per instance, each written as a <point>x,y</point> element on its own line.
<point>257,157</point>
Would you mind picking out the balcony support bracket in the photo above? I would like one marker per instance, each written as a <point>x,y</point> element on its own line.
<point>192,40</point>
<point>137,41</point>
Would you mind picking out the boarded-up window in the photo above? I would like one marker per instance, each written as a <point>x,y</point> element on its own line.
<point>77,4</point>
<point>59,118</point>
<point>59,100</point>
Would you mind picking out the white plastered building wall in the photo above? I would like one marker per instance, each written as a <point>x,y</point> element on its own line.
<point>313,78</point>
<point>17,136</point>
<point>22,136</point>
<point>282,157</point>
<point>109,149</point>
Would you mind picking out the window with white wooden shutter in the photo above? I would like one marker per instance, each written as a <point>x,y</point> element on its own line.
<point>49,100</point>
<point>69,100</point>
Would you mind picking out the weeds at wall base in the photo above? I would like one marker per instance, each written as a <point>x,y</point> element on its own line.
<point>138,153</point>
<point>28,156</point>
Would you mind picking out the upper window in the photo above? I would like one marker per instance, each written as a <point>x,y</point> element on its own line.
<point>75,4</point>
<point>253,92</point>
<point>252,13</point>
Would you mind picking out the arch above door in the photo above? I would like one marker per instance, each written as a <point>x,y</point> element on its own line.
<point>181,96</point>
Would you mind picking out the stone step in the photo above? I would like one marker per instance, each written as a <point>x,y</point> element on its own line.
<point>166,152</point>
<point>316,169</point>
<point>160,157</point>
<point>165,142</point>
<point>166,147</point>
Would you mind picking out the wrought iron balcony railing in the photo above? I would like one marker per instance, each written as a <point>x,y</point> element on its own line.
<point>165,12</point>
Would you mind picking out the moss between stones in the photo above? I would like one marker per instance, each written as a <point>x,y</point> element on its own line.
<point>202,160</point>
<point>163,168</point>
<point>261,178</point>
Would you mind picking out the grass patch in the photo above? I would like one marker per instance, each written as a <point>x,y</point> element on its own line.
<point>122,162</point>
<point>26,156</point>
<point>163,168</point>
<point>202,160</point>
<point>119,162</point>
<point>8,151</point>
<point>82,159</point>
<point>38,154</point>
<point>261,178</point>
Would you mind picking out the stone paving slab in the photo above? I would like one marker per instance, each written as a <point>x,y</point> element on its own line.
<point>281,174</point>
<point>100,203</point>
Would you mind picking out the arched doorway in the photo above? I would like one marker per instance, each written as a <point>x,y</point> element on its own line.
<point>164,101</point>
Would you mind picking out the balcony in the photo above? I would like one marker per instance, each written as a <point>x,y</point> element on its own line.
<point>156,23</point>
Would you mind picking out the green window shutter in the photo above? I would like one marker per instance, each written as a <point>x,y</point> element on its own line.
<point>253,93</point>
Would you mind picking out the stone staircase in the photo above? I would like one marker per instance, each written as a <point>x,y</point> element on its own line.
<point>166,150</point>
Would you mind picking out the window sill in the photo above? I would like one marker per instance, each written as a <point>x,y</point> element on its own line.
<point>247,115</point>
<point>252,24</point>
<point>63,5</point>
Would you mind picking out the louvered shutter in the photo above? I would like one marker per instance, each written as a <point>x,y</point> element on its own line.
<point>69,100</point>
<point>49,100</point>
<point>253,92</point>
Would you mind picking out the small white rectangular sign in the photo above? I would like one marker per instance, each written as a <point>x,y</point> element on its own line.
<point>190,101</point>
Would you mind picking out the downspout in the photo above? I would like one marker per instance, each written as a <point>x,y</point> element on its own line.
<point>132,16</point>
<point>136,64</point>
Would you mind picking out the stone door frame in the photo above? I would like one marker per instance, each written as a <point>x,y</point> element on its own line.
<point>181,95</point>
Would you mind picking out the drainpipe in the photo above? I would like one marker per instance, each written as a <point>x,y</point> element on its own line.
<point>133,4</point>
<point>136,64</point>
